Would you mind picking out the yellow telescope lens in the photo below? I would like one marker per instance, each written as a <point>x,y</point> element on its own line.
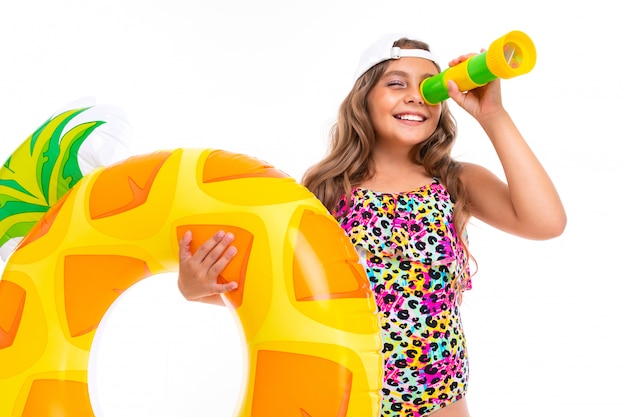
<point>511,55</point>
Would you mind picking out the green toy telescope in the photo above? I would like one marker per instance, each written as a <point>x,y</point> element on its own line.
<point>509,56</point>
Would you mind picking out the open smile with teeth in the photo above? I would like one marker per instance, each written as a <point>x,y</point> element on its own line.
<point>410,117</point>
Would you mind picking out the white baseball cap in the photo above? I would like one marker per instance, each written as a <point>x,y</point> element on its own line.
<point>383,50</point>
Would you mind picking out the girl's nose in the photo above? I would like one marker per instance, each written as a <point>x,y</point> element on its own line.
<point>413,96</point>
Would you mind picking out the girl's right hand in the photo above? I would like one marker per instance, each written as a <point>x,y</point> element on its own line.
<point>198,272</point>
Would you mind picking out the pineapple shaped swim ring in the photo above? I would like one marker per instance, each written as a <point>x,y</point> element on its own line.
<point>303,302</point>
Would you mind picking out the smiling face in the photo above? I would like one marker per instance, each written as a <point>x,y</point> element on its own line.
<point>399,115</point>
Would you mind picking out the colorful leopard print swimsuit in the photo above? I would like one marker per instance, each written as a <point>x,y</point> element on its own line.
<point>417,269</point>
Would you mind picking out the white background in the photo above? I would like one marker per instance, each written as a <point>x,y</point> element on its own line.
<point>545,320</point>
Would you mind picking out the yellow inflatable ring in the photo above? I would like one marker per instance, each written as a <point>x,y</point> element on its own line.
<point>303,302</point>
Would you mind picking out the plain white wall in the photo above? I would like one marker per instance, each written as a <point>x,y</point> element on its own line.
<point>544,321</point>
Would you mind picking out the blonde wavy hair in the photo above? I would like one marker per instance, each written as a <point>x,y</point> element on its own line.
<point>349,159</point>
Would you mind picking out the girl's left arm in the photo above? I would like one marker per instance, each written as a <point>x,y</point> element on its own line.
<point>527,204</point>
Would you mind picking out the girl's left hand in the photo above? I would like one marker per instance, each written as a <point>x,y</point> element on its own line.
<point>479,102</point>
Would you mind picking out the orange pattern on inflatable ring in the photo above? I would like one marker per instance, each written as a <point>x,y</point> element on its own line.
<point>303,302</point>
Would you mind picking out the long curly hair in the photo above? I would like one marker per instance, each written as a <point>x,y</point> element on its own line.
<point>349,159</point>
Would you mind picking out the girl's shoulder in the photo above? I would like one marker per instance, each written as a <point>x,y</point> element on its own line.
<point>475,177</point>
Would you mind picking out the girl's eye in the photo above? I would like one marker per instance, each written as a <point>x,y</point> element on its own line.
<point>395,83</point>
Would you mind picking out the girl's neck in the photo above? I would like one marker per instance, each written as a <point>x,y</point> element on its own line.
<point>393,176</point>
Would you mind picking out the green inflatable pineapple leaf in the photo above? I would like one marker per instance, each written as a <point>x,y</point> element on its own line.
<point>41,171</point>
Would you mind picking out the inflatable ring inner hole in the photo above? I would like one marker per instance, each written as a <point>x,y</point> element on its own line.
<point>157,354</point>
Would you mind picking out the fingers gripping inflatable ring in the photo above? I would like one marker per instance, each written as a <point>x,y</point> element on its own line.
<point>303,303</point>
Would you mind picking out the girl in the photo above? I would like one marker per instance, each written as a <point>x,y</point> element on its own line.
<point>391,183</point>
